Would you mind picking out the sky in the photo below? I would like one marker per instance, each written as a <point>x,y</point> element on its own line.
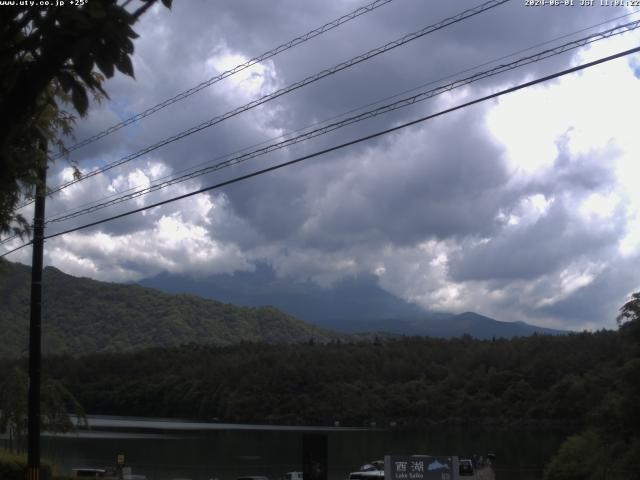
<point>524,207</point>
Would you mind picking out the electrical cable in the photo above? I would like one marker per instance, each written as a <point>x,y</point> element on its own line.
<point>169,178</point>
<point>283,91</point>
<point>316,124</point>
<point>405,102</point>
<point>8,239</point>
<point>238,68</point>
<point>346,144</point>
<point>16,249</point>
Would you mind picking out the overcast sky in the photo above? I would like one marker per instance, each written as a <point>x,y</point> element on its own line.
<point>520,208</point>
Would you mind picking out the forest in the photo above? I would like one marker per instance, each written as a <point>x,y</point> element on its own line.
<point>588,382</point>
<point>85,316</point>
<point>410,380</point>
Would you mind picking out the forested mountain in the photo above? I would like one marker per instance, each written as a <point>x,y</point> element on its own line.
<point>82,316</point>
<point>197,368</point>
<point>451,326</point>
<point>351,305</point>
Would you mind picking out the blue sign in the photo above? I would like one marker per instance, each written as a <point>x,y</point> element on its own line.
<point>420,467</point>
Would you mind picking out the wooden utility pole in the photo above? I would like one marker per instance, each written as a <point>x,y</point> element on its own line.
<point>35,326</point>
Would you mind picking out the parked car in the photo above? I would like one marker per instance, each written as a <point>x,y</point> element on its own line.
<point>466,468</point>
<point>369,471</point>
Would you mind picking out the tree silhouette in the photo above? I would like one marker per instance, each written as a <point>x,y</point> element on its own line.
<point>48,57</point>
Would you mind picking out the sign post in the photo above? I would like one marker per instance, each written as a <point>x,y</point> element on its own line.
<point>315,456</point>
<point>120,464</point>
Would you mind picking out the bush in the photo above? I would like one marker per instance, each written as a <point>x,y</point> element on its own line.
<point>577,459</point>
<point>14,467</point>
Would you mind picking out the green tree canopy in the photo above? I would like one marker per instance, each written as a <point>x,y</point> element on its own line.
<point>629,320</point>
<point>610,446</point>
<point>50,55</point>
<point>56,405</point>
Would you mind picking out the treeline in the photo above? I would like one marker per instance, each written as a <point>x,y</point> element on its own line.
<point>410,381</point>
<point>590,381</point>
<point>609,446</point>
<point>82,316</point>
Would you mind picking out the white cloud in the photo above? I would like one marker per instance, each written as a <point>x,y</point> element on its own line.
<point>599,206</point>
<point>514,209</point>
<point>173,245</point>
<point>568,281</point>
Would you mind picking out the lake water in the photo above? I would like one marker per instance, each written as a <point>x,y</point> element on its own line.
<point>164,450</point>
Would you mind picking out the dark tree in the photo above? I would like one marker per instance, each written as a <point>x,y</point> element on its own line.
<point>629,319</point>
<point>49,56</point>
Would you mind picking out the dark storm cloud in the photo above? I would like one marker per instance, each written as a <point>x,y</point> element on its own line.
<point>173,50</point>
<point>582,173</point>
<point>599,302</point>
<point>560,235</point>
<point>421,184</point>
<point>553,241</point>
<point>446,180</point>
<point>485,37</point>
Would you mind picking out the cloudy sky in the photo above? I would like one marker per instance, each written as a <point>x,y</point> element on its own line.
<point>520,208</point>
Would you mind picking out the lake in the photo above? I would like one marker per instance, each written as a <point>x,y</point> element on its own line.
<point>163,450</point>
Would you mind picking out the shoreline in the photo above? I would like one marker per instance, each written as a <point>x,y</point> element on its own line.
<point>123,422</point>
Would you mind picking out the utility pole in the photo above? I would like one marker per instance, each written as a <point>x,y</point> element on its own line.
<point>35,325</point>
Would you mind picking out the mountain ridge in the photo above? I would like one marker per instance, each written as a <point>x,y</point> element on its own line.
<point>81,315</point>
<point>355,304</point>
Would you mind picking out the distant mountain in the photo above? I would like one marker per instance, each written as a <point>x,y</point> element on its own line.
<point>356,300</point>
<point>352,305</point>
<point>85,316</point>
<point>478,326</point>
<point>82,316</point>
<point>444,325</point>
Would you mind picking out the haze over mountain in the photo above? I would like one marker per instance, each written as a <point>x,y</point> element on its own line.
<point>353,304</point>
<point>82,316</point>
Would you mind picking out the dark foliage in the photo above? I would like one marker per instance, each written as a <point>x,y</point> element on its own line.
<point>83,316</point>
<point>412,381</point>
<point>14,467</point>
<point>610,445</point>
<point>51,54</point>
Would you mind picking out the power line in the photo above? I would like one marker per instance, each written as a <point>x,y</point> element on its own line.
<point>284,136</point>
<point>283,91</point>
<point>347,144</point>
<point>402,103</point>
<point>8,239</point>
<point>16,249</point>
<point>238,68</point>
<point>171,179</point>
